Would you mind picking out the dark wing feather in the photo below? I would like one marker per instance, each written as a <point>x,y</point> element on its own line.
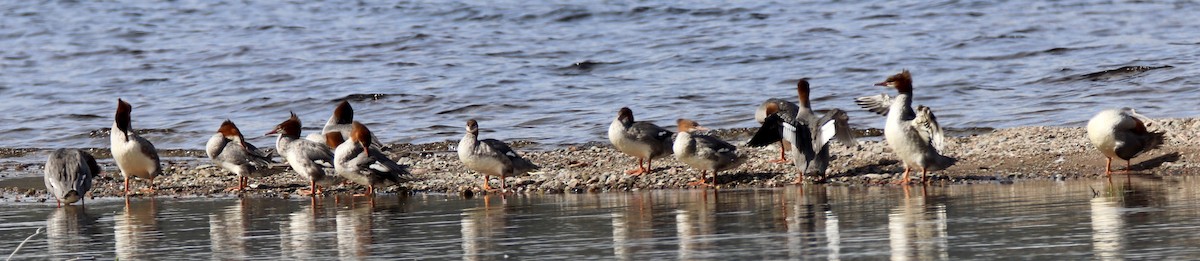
<point>769,133</point>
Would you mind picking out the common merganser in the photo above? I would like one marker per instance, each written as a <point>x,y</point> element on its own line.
<point>640,139</point>
<point>339,122</point>
<point>1122,133</point>
<point>704,152</point>
<point>490,157</point>
<point>804,131</point>
<point>915,137</point>
<point>786,110</point>
<point>356,161</point>
<point>135,156</point>
<point>69,175</point>
<point>229,149</point>
<point>306,157</point>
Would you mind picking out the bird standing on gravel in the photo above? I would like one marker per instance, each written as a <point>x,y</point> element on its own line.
<point>306,157</point>
<point>1121,133</point>
<point>360,163</point>
<point>229,149</point>
<point>69,175</point>
<point>135,156</point>
<point>784,110</point>
<point>804,131</point>
<point>490,157</point>
<point>915,137</point>
<point>640,139</point>
<point>703,152</point>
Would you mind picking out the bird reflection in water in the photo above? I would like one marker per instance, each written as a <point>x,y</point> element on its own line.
<point>302,235</point>
<point>632,225</point>
<point>806,211</point>
<point>136,230</point>
<point>694,222</point>
<point>483,228</point>
<point>68,232</point>
<point>1110,213</point>
<point>354,225</point>
<point>917,227</point>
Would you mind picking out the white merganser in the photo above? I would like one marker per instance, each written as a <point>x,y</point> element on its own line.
<point>356,161</point>
<point>1121,133</point>
<point>69,175</point>
<point>804,131</point>
<point>915,137</point>
<point>642,140</point>
<point>229,149</point>
<point>306,157</point>
<point>786,110</point>
<point>135,156</point>
<point>704,152</point>
<point>339,122</point>
<point>490,157</point>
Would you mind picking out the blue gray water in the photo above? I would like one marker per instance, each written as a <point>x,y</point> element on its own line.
<point>557,71</point>
<point>1144,219</point>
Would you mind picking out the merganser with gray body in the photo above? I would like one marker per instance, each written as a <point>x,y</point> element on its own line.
<point>360,163</point>
<point>340,122</point>
<point>786,110</point>
<point>704,152</point>
<point>229,149</point>
<point>69,174</point>
<point>306,157</point>
<point>134,155</point>
<point>804,131</point>
<point>642,140</point>
<point>915,137</point>
<point>490,157</point>
<point>1122,133</point>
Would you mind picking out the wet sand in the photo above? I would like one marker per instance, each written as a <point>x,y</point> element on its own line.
<point>999,156</point>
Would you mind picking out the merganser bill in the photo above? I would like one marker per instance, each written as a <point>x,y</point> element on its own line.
<point>490,157</point>
<point>805,131</point>
<point>915,137</point>
<point>135,156</point>
<point>229,149</point>
<point>306,157</point>
<point>69,174</point>
<point>640,139</point>
<point>1121,133</point>
<point>704,152</point>
<point>786,110</point>
<point>339,122</point>
<point>356,161</point>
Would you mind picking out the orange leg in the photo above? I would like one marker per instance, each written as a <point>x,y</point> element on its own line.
<point>782,154</point>
<point>487,187</point>
<point>904,180</point>
<point>703,180</point>
<point>1107,166</point>
<point>639,171</point>
<point>924,173</point>
<point>1127,167</point>
<point>503,188</point>
<point>126,185</point>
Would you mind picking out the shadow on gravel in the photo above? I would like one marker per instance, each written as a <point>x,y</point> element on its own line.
<point>1156,161</point>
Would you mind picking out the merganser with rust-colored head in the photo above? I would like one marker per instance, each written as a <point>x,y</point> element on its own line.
<point>360,163</point>
<point>915,137</point>
<point>703,152</point>
<point>640,139</point>
<point>230,150</point>
<point>340,122</point>
<point>306,157</point>
<point>805,131</point>
<point>786,110</point>
<point>135,156</point>
<point>490,157</point>
<point>1122,133</point>
<point>69,174</point>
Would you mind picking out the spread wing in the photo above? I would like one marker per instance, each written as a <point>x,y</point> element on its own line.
<point>769,133</point>
<point>836,125</point>
<point>878,104</point>
<point>927,126</point>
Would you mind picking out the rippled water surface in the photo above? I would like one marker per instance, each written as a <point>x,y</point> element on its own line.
<point>1136,218</point>
<point>557,71</point>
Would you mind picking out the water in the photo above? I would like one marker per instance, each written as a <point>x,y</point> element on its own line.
<point>1139,218</point>
<point>557,71</point>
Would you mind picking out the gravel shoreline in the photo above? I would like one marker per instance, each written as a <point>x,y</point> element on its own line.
<point>998,156</point>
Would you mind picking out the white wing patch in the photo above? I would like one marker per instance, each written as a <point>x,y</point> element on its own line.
<point>511,154</point>
<point>379,167</point>
<point>827,132</point>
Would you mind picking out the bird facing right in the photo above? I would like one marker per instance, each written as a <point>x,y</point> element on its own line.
<point>1121,133</point>
<point>69,174</point>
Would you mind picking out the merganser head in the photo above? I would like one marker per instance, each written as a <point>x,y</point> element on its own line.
<point>230,131</point>
<point>334,139</point>
<point>472,127</point>
<point>122,117</point>
<point>802,92</point>
<point>686,125</point>
<point>289,127</point>
<point>343,114</point>
<point>771,108</point>
<point>901,81</point>
<point>625,115</point>
<point>360,134</point>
